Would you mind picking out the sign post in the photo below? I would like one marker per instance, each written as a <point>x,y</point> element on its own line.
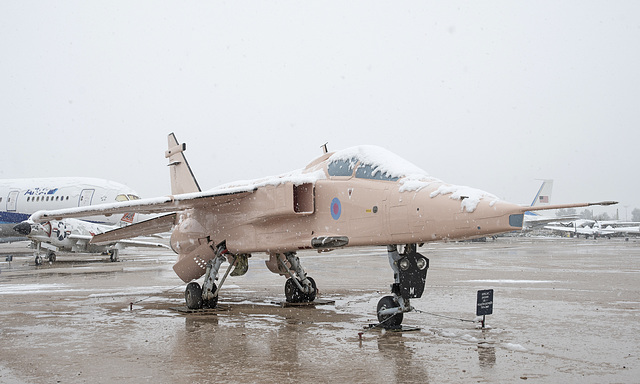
<point>484,304</point>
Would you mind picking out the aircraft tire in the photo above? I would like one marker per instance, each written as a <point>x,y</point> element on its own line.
<point>52,257</point>
<point>38,260</point>
<point>389,321</point>
<point>312,296</point>
<point>193,296</point>
<point>291,292</point>
<point>294,295</point>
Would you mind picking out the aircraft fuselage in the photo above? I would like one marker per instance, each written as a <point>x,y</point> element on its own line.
<point>285,218</point>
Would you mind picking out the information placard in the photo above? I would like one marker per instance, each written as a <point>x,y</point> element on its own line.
<point>485,302</point>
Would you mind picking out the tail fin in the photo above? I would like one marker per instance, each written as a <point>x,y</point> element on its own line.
<point>543,196</point>
<point>182,178</point>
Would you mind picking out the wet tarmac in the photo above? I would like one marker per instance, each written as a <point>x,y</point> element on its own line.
<point>565,310</point>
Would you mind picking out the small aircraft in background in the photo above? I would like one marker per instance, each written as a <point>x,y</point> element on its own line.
<point>360,196</point>
<point>73,235</point>
<point>595,229</point>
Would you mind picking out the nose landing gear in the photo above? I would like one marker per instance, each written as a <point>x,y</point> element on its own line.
<point>410,275</point>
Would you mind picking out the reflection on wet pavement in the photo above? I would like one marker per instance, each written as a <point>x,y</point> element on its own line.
<point>565,310</point>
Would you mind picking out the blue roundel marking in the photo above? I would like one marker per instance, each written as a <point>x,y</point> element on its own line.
<point>336,208</point>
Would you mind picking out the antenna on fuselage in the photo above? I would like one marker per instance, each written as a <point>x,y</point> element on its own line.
<point>324,147</point>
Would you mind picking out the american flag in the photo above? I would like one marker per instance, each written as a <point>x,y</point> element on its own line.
<point>544,199</point>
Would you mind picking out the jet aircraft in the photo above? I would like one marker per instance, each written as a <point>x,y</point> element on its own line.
<point>360,196</point>
<point>73,235</point>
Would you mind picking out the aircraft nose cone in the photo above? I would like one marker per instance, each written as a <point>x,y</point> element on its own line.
<point>23,228</point>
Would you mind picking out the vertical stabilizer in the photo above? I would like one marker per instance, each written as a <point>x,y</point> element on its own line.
<point>182,178</point>
<point>543,197</point>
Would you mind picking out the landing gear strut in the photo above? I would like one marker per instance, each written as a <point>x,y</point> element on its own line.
<point>410,274</point>
<point>51,255</point>
<point>207,296</point>
<point>299,288</point>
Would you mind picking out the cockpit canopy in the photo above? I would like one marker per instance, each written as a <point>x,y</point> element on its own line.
<point>370,162</point>
<point>363,170</point>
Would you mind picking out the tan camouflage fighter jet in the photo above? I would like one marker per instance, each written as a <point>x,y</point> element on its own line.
<point>360,196</point>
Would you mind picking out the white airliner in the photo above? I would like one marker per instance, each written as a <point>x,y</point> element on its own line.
<point>19,198</point>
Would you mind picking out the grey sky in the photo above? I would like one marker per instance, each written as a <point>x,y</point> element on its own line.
<point>493,95</point>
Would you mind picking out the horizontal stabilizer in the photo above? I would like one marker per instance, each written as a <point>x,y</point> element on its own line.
<point>143,228</point>
<point>563,206</point>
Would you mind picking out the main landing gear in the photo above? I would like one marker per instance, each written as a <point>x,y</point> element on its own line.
<point>410,274</point>
<point>197,297</point>
<point>51,257</point>
<point>113,255</point>
<point>299,287</point>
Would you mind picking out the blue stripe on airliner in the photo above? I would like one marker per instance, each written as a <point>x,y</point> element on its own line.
<point>12,217</point>
<point>15,218</point>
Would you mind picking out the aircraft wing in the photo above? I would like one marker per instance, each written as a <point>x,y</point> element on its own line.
<point>144,228</point>
<point>531,221</point>
<point>625,229</point>
<point>153,205</point>
<point>578,230</point>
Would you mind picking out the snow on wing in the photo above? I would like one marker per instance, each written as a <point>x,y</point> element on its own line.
<point>152,205</point>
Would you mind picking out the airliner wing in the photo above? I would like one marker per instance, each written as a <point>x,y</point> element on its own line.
<point>578,230</point>
<point>164,204</point>
<point>625,229</point>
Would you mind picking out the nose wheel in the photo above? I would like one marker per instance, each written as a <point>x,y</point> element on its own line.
<point>410,275</point>
<point>389,314</point>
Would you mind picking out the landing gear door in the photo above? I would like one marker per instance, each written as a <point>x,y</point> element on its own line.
<point>12,201</point>
<point>85,197</point>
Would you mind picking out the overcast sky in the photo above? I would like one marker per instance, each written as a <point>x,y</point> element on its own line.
<point>492,95</point>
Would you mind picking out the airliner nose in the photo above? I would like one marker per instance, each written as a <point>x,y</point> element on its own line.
<point>23,228</point>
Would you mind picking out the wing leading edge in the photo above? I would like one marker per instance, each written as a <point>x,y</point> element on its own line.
<point>153,205</point>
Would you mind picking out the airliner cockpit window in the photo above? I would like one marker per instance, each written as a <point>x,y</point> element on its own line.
<point>368,171</point>
<point>133,197</point>
<point>341,167</point>
<point>122,198</point>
